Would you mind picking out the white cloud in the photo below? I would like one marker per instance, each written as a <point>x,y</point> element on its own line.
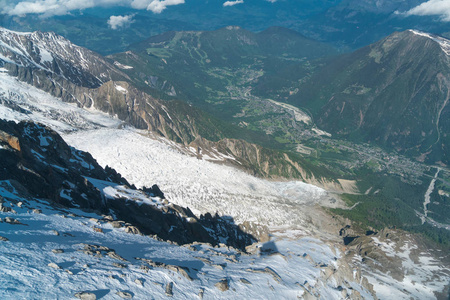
<point>116,22</point>
<point>231,3</point>
<point>62,7</point>
<point>432,8</point>
<point>156,6</point>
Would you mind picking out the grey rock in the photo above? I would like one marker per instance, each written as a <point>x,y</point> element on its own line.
<point>114,255</point>
<point>133,230</point>
<point>54,266</point>
<point>11,220</point>
<point>115,224</point>
<point>58,251</point>
<point>86,296</point>
<point>6,209</point>
<point>169,289</point>
<point>222,285</point>
<point>201,293</point>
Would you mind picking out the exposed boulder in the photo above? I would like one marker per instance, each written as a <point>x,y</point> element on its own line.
<point>10,220</point>
<point>54,266</point>
<point>6,209</point>
<point>222,285</point>
<point>86,296</point>
<point>169,289</point>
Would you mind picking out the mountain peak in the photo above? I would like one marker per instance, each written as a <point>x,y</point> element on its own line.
<point>443,42</point>
<point>51,53</point>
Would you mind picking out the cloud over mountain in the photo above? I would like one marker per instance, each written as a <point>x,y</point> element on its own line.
<point>432,8</point>
<point>156,6</point>
<point>116,22</point>
<point>232,3</point>
<point>48,8</point>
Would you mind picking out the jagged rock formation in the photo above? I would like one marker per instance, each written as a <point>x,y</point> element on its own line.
<point>39,55</point>
<point>397,253</point>
<point>39,163</point>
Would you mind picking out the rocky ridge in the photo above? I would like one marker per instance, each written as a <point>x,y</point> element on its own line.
<point>37,162</point>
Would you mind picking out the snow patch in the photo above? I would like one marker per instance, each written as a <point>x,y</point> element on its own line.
<point>444,43</point>
<point>45,55</point>
<point>121,89</point>
<point>124,67</point>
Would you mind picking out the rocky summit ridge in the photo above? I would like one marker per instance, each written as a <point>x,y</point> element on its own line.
<point>37,162</point>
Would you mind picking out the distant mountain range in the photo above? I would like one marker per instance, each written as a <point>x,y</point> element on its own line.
<point>347,25</point>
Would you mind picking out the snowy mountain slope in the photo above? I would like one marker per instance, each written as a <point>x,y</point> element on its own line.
<point>423,275</point>
<point>283,205</point>
<point>443,42</point>
<point>200,184</point>
<point>187,181</point>
<point>40,164</point>
<point>41,107</point>
<point>53,251</point>
<point>399,265</point>
<point>53,254</point>
<point>54,54</point>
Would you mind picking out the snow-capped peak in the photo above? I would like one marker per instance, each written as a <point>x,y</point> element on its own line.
<point>53,53</point>
<point>2,29</point>
<point>444,43</point>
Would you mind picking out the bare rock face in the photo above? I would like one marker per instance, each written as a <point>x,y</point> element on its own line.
<point>12,141</point>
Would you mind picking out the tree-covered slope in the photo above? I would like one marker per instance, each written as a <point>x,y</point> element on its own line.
<point>393,93</point>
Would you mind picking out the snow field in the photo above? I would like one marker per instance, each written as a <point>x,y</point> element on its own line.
<point>26,257</point>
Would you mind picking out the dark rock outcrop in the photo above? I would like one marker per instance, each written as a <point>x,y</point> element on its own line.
<point>45,167</point>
